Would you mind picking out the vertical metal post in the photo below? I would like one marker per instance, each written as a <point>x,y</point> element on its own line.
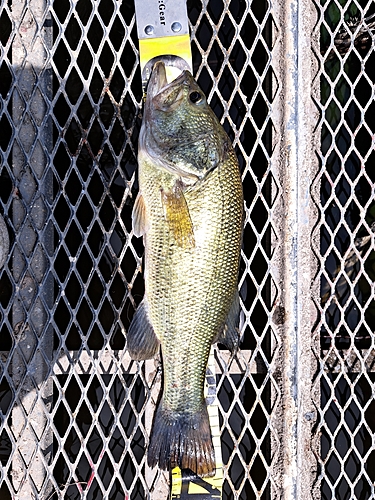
<point>296,167</point>
<point>4,242</point>
<point>307,166</point>
<point>34,292</point>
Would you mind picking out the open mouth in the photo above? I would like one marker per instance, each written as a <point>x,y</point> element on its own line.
<point>159,81</point>
<point>174,66</point>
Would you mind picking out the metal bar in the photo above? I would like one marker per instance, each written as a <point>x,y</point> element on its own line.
<point>83,363</point>
<point>34,295</point>
<point>306,166</point>
<point>4,242</point>
<point>295,170</point>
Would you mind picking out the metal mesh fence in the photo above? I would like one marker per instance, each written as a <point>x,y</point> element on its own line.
<point>344,193</point>
<point>75,410</point>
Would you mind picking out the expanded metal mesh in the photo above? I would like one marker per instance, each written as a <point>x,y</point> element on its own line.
<point>344,190</point>
<point>75,410</point>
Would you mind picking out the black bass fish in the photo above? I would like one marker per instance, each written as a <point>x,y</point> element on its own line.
<point>190,213</point>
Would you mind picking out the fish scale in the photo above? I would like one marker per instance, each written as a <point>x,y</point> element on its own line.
<point>190,211</point>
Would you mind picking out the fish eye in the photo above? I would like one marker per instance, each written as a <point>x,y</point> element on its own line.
<point>195,97</point>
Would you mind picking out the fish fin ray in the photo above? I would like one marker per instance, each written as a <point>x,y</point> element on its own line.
<point>176,213</point>
<point>141,340</point>
<point>182,439</point>
<point>230,334</point>
<point>139,216</point>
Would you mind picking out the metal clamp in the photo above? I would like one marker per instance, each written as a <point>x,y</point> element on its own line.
<point>163,32</point>
<point>160,18</point>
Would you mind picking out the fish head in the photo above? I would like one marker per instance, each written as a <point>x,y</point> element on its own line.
<point>179,130</point>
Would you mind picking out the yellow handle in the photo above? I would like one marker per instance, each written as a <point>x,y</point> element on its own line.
<point>178,45</point>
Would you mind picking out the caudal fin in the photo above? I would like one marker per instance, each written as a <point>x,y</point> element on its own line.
<point>182,439</point>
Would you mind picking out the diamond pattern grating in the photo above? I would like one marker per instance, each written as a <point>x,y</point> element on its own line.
<point>344,190</point>
<point>75,410</point>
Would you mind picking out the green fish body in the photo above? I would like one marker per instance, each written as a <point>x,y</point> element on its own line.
<point>190,213</point>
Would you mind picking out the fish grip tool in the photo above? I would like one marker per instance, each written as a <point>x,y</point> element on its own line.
<point>163,33</point>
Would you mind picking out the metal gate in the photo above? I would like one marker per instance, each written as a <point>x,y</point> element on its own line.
<point>293,84</point>
<point>344,194</point>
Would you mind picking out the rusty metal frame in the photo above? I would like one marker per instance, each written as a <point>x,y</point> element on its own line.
<point>295,264</point>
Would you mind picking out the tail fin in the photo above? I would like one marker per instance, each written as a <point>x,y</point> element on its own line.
<point>182,439</point>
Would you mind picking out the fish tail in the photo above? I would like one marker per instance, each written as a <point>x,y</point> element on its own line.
<point>182,439</point>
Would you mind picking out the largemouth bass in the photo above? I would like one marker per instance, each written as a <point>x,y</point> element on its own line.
<point>189,210</point>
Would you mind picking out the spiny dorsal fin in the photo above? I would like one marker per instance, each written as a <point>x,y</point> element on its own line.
<point>176,213</point>
<point>139,217</point>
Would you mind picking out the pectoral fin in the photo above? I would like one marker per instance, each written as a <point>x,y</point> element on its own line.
<point>139,217</point>
<point>230,335</point>
<point>176,213</point>
<point>141,341</point>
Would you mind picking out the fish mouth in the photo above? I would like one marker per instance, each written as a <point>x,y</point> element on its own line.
<point>159,83</point>
<point>158,80</point>
<point>159,91</point>
<point>175,65</point>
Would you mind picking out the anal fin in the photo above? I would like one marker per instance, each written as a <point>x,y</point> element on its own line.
<point>142,342</point>
<point>230,335</point>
